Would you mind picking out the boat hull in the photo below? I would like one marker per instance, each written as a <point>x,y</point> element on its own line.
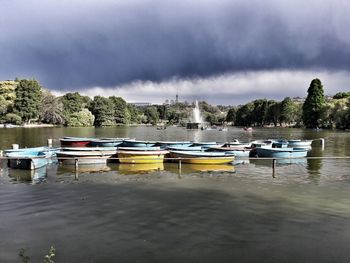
<point>27,163</point>
<point>85,157</point>
<point>74,143</point>
<point>141,157</point>
<point>281,153</point>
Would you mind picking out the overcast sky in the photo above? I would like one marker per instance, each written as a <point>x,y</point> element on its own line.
<point>225,52</point>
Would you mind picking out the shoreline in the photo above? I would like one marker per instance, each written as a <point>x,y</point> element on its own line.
<point>27,126</point>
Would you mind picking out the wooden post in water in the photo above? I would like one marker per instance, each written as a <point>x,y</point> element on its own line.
<point>273,168</point>
<point>179,166</point>
<point>49,143</point>
<point>322,143</point>
<point>76,169</point>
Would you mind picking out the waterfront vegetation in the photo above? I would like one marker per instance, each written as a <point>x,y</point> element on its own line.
<point>25,101</point>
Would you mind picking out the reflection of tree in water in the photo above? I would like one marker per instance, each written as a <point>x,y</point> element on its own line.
<point>314,166</point>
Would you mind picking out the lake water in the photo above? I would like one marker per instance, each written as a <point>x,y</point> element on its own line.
<point>136,213</point>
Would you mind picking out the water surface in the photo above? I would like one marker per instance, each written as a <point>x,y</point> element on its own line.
<point>131,213</point>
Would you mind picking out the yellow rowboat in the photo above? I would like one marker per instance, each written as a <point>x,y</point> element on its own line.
<point>141,156</point>
<point>203,157</point>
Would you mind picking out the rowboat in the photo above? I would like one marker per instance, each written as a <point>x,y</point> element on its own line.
<point>285,152</point>
<point>141,156</point>
<point>30,158</point>
<point>167,144</point>
<point>86,156</point>
<point>105,142</point>
<point>185,148</point>
<point>237,143</point>
<point>146,148</point>
<point>75,141</point>
<point>238,151</point>
<point>299,143</point>
<point>134,143</point>
<point>27,160</point>
<point>205,145</point>
<point>203,157</point>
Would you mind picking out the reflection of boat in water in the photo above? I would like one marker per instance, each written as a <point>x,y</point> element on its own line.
<point>128,168</point>
<point>86,168</point>
<point>203,157</point>
<point>279,162</point>
<point>188,168</point>
<point>34,176</point>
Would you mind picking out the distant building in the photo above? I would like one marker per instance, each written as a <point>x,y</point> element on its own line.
<point>140,104</point>
<point>298,99</point>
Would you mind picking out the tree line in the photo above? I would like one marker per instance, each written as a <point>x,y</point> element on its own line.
<point>25,101</point>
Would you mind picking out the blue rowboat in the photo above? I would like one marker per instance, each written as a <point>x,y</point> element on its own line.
<point>167,144</point>
<point>236,150</point>
<point>299,143</point>
<point>134,143</point>
<point>27,160</point>
<point>105,142</point>
<point>50,153</point>
<point>281,152</point>
<point>206,145</point>
<point>186,148</point>
<point>149,148</point>
<point>237,143</point>
<point>203,157</point>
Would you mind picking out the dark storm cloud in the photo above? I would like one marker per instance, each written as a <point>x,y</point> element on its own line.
<point>76,44</point>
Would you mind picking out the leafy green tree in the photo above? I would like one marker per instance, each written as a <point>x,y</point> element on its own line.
<point>3,106</point>
<point>273,112</point>
<point>152,115</point>
<point>12,118</point>
<point>211,118</point>
<point>231,115</point>
<point>73,102</point>
<point>8,94</point>
<point>103,110</point>
<point>28,99</point>
<point>134,114</point>
<point>288,112</point>
<point>121,112</point>
<point>260,112</point>
<point>83,118</point>
<point>341,95</point>
<point>51,109</point>
<point>313,105</point>
<point>244,115</point>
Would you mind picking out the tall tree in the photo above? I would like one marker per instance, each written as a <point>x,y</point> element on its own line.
<point>288,111</point>
<point>73,102</point>
<point>28,99</point>
<point>231,115</point>
<point>121,111</point>
<point>152,115</point>
<point>51,109</point>
<point>103,110</point>
<point>313,105</point>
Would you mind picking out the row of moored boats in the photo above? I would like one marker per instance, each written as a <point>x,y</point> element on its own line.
<point>76,150</point>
